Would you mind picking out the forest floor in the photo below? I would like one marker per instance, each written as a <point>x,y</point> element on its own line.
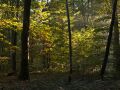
<point>57,81</point>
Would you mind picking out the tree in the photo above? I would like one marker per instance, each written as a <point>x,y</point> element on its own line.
<point>109,39</point>
<point>14,41</point>
<point>24,72</point>
<point>116,47</point>
<point>70,42</point>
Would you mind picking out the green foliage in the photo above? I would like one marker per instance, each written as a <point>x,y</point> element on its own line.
<point>49,36</point>
<point>83,40</point>
<point>83,50</point>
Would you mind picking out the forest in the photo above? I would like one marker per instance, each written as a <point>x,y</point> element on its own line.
<point>59,44</point>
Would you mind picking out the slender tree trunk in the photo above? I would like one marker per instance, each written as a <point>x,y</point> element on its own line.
<point>13,41</point>
<point>13,54</point>
<point>116,47</point>
<point>109,39</point>
<point>24,72</point>
<point>70,42</point>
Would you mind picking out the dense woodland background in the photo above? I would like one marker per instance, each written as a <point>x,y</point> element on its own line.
<point>59,44</point>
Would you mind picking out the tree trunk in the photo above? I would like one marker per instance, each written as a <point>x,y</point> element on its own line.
<point>109,40</point>
<point>13,54</point>
<point>24,72</point>
<point>116,47</point>
<point>70,42</point>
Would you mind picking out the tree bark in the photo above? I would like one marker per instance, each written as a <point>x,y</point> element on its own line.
<point>13,54</point>
<point>24,72</point>
<point>70,42</point>
<point>116,47</point>
<point>109,39</point>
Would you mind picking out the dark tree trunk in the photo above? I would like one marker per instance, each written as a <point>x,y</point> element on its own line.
<point>109,39</point>
<point>70,42</point>
<point>13,41</point>
<point>24,72</point>
<point>13,54</point>
<point>48,60</point>
<point>116,47</point>
<point>1,48</point>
